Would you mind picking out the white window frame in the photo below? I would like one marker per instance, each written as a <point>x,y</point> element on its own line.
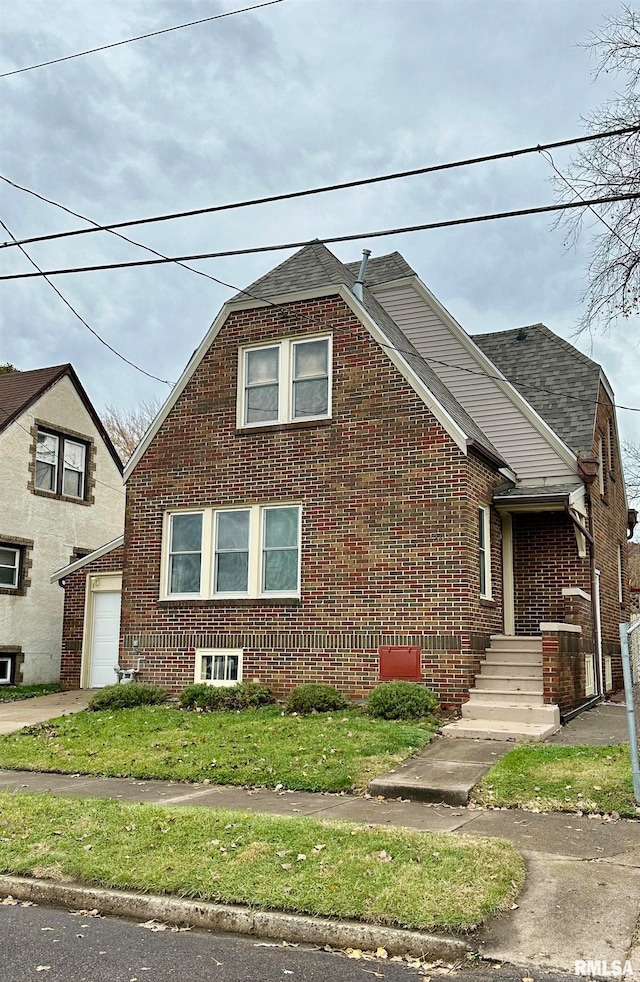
<point>16,566</point>
<point>285,381</point>
<point>202,653</point>
<point>254,589</point>
<point>8,661</point>
<point>484,551</point>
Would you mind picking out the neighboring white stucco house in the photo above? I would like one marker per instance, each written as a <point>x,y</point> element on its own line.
<point>61,496</point>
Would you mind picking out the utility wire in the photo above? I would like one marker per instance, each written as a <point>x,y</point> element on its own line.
<point>270,199</point>
<point>81,318</point>
<point>254,250</point>
<point>140,37</point>
<point>323,323</point>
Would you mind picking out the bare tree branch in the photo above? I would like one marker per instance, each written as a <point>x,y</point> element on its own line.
<point>127,427</point>
<point>606,167</point>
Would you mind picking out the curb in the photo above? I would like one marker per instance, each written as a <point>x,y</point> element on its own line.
<point>236,920</point>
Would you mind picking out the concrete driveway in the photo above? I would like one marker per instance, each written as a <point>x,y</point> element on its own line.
<point>24,712</point>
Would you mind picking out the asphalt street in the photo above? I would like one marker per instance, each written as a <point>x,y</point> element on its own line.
<point>57,945</point>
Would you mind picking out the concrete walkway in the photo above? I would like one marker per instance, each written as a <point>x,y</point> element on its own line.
<point>26,712</point>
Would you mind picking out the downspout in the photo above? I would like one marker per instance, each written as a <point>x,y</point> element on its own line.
<point>588,471</point>
<point>359,283</point>
<point>594,700</point>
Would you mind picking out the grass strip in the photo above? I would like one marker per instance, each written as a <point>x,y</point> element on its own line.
<point>259,747</point>
<point>12,693</point>
<point>544,778</point>
<point>336,869</point>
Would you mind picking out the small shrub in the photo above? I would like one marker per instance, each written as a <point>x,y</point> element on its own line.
<point>214,698</point>
<point>127,695</point>
<point>313,697</point>
<point>250,695</point>
<point>401,700</point>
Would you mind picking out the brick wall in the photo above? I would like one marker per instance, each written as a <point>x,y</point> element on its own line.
<point>389,529</point>
<point>545,560</point>
<point>74,611</point>
<point>609,527</point>
<point>563,669</point>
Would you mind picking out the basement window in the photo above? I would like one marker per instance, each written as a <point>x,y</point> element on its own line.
<point>219,666</point>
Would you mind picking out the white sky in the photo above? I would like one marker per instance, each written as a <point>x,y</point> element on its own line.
<point>303,93</point>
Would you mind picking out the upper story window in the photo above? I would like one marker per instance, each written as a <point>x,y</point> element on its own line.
<point>285,382</point>
<point>61,465</point>
<point>232,553</point>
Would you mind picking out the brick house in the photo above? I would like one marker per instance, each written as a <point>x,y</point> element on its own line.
<point>345,486</point>
<point>61,496</point>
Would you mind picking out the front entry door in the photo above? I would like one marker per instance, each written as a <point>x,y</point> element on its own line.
<point>104,638</point>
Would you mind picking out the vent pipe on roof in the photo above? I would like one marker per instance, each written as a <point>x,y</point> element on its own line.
<point>357,286</point>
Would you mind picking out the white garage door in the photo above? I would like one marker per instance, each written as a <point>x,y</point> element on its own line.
<point>105,634</point>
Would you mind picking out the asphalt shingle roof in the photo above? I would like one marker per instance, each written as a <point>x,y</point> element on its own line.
<point>315,266</point>
<point>554,377</point>
<point>19,389</point>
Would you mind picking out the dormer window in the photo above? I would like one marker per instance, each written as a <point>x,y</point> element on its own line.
<point>285,382</point>
<point>61,464</point>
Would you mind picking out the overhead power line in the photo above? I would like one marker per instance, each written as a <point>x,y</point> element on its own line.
<point>81,318</point>
<point>402,230</point>
<point>140,37</point>
<point>324,189</point>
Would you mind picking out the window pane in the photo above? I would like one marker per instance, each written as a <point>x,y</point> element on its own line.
<point>47,449</point>
<point>8,557</point>
<point>280,527</point>
<point>45,476</point>
<point>280,570</point>
<point>311,397</point>
<point>232,530</point>
<point>218,668</point>
<point>207,668</point>
<point>261,404</point>
<point>232,668</point>
<point>310,359</point>
<point>184,573</point>
<point>8,576</point>
<point>231,572</point>
<point>5,669</point>
<point>72,484</point>
<point>186,533</point>
<point>262,366</point>
<point>74,455</point>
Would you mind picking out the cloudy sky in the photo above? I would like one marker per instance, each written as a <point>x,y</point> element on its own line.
<point>298,94</point>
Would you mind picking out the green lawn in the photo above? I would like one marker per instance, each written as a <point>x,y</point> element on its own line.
<point>10,693</point>
<point>324,752</point>
<point>571,779</point>
<point>337,869</point>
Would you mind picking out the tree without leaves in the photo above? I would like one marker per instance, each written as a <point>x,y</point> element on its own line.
<point>7,368</point>
<point>610,166</point>
<point>127,427</point>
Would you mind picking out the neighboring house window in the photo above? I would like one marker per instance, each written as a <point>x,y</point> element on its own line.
<point>601,471</point>
<point>285,382</point>
<point>218,666</point>
<point>185,553</point>
<point>61,464</point>
<point>233,552</point>
<point>610,445</point>
<point>484,540</point>
<point>9,567</point>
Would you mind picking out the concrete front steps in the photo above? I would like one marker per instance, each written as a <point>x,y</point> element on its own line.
<point>507,702</point>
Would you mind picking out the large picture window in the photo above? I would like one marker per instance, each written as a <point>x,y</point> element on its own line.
<point>285,382</point>
<point>232,552</point>
<point>61,464</point>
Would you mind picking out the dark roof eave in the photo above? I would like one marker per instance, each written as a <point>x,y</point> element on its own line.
<point>486,453</point>
<point>550,502</point>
